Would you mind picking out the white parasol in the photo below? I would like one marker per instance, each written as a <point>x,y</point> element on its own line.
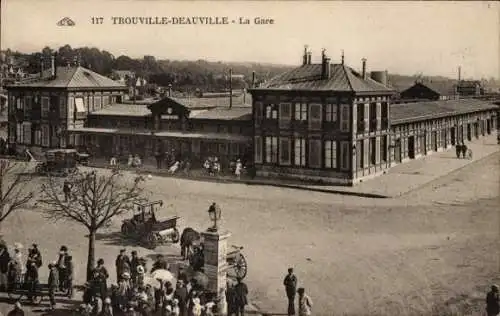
<point>151,281</point>
<point>163,275</point>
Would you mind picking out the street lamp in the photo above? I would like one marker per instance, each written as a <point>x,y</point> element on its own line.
<point>215,214</point>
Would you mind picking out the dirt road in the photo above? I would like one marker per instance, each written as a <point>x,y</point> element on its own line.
<point>355,256</point>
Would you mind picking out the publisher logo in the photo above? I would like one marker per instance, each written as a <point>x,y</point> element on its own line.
<point>66,22</point>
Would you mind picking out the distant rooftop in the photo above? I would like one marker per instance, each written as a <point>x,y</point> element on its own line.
<point>121,109</point>
<point>402,113</point>
<point>239,113</point>
<point>70,77</point>
<point>308,77</point>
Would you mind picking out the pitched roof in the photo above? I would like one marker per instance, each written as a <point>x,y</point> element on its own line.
<point>308,77</point>
<point>195,102</point>
<point>120,109</point>
<point>241,113</point>
<point>402,113</point>
<point>444,88</point>
<point>71,77</point>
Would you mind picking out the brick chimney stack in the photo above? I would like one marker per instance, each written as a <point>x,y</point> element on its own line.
<point>364,68</point>
<point>304,57</point>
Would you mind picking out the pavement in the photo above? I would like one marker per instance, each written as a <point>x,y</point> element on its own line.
<point>397,181</point>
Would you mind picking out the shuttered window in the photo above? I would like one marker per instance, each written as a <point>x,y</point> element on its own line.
<point>285,148</point>
<point>345,155</point>
<point>315,116</point>
<point>45,135</point>
<point>45,107</point>
<point>27,107</point>
<point>63,111</point>
<point>271,149</point>
<point>300,152</point>
<point>331,112</point>
<point>330,147</point>
<point>300,112</point>
<point>344,117</point>
<point>315,153</point>
<point>285,115</point>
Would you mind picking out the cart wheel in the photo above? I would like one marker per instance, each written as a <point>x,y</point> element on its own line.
<point>36,299</point>
<point>240,267</point>
<point>175,235</point>
<point>152,240</point>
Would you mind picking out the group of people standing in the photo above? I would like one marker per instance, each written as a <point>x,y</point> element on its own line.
<point>17,273</point>
<point>462,151</point>
<point>304,301</point>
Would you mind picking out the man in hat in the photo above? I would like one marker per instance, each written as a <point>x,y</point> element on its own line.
<point>134,263</point>
<point>53,283</point>
<point>101,276</point>
<point>493,301</point>
<point>70,275</point>
<point>67,190</point>
<point>159,264</point>
<point>290,283</point>
<point>17,310</point>
<point>62,267</point>
<point>181,294</point>
<point>121,261</point>
<point>4,266</point>
<point>240,297</point>
<point>34,256</point>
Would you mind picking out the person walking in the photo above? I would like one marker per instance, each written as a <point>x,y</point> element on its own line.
<point>122,260</point>
<point>181,295</point>
<point>305,303</point>
<point>493,301</point>
<point>17,310</point>
<point>62,267</point>
<point>240,297</point>
<point>290,283</point>
<point>67,190</point>
<point>458,150</point>
<point>53,284</point>
<point>238,169</point>
<point>464,150</point>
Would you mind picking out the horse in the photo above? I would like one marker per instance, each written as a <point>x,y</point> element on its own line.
<point>189,237</point>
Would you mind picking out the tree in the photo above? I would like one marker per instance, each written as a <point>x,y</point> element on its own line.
<point>14,194</point>
<point>94,201</point>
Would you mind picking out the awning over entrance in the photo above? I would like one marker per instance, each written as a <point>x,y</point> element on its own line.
<point>166,134</point>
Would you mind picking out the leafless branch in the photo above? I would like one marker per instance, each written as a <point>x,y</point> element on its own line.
<point>95,198</point>
<point>14,191</point>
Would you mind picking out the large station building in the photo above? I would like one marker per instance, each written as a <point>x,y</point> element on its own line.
<point>318,122</point>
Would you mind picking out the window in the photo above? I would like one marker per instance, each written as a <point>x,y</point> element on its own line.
<point>385,115</point>
<point>315,116</point>
<point>360,163</point>
<point>285,114</point>
<point>271,149</point>
<point>314,153</point>
<point>97,103</point>
<point>285,151</point>
<point>38,136</point>
<point>12,133</point>
<point>19,133</point>
<point>331,112</point>
<point>45,135</point>
<point>271,112</point>
<point>344,119</point>
<point>105,100</point>
<point>258,111</point>
<point>79,106</point>
<point>383,148</point>
<point>360,111</point>
<point>300,112</point>
<point>45,106</point>
<point>19,104</point>
<point>27,133</point>
<point>373,152</point>
<point>373,117</point>
<point>300,152</point>
<point>28,106</point>
<point>330,154</point>
<point>344,155</point>
<point>62,107</point>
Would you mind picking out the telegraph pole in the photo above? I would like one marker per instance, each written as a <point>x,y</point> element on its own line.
<point>230,87</point>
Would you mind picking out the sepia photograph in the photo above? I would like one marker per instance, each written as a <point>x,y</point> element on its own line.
<point>227,158</point>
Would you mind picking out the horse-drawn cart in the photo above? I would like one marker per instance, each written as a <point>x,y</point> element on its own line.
<point>58,162</point>
<point>34,295</point>
<point>192,249</point>
<point>144,226</point>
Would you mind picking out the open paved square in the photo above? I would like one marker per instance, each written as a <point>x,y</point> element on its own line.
<point>355,256</point>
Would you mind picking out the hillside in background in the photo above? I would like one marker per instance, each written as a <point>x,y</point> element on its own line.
<point>184,75</point>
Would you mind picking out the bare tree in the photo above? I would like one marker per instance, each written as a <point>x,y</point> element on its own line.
<point>93,202</point>
<point>14,191</point>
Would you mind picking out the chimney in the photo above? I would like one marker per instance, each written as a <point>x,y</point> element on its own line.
<point>41,67</point>
<point>342,57</point>
<point>230,87</point>
<point>304,57</point>
<point>364,68</point>
<point>325,65</point>
<point>459,73</point>
<point>169,90</point>
<point>309,57</point>
<point>53,66</point>
<point>253,75</point>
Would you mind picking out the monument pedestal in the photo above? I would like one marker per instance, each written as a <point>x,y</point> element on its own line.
<point>215,255</point>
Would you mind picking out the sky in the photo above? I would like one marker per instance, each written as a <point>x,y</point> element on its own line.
<point>432,38</point>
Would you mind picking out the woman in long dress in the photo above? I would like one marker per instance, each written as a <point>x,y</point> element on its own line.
<point>238,169</point>
<point>174,167</point>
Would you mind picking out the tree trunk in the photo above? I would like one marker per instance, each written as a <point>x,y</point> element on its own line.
<point>91,255</point>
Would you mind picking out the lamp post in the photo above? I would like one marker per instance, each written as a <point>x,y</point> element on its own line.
<point>215,214</point>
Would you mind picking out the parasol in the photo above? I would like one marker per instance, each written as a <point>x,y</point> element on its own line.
<point>163,275</point>
<point>151,281</point>
<point>201,279</point>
